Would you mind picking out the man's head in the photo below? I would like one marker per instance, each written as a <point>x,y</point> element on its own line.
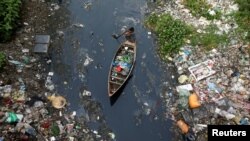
<point>131,29</point>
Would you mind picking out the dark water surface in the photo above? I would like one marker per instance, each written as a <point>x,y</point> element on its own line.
<point>137,114</point>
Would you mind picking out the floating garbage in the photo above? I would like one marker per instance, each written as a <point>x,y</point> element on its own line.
<point>78,25</point>
<point>58,102</point>
<point>49,84</point>
<point>88,60</point>
<point>183,126</point>
<point>86,93</point>
<point>112,135</point>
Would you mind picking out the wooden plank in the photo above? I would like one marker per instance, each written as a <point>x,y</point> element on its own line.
<point>115,82</point>
<point>117,77</point>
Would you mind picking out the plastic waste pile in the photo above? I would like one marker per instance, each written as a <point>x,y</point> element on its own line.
<point>220,91</point>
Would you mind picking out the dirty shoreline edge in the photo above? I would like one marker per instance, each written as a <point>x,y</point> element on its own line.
<point>28,73</point>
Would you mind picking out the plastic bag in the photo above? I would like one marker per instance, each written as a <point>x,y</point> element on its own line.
<point>194,101</point>
<point>183,126</point>
<point>12,117</point>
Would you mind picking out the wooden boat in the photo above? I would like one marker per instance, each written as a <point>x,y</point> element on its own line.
<point>121,67</point>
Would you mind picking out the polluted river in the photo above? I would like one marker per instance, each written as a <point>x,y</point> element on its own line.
<point>81,61</point>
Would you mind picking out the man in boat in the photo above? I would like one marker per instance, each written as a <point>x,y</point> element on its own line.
<point>130,35</point>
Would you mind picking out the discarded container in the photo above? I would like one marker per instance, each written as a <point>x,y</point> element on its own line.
<point>57,101</point>
<point>225,114</point>
<point>193,101</point>
<point>183,126</point>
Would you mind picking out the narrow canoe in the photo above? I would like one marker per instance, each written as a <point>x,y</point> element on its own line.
<point>121,66</point>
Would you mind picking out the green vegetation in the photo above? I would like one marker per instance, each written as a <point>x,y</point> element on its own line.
<point>2,60</point>
<point>171,33</point>
<point>243,18</point>
<point>9,12</point>
<point>209,39</point>
<point>202,8</point>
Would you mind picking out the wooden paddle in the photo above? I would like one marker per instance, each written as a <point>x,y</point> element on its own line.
<point>118,36</point>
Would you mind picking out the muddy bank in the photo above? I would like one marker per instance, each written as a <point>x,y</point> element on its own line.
<point>213,86</point>
<point>26,111</point>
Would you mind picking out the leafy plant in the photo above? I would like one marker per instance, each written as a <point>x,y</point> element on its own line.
<point>243,18</point>
<point>9,12</point>
<point>2,60</point>
<point>202,8</point>
<point>170,32</point>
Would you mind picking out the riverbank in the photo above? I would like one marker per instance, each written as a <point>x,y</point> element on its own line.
<point>213,83</point>
<point>29,110</point>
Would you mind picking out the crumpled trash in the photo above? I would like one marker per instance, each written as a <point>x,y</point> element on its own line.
<point>235,72</point>
<point>52,138</point>
<point>49,84</point>
<point>183,98</point>
<point>88,60</point>
<point>182,79</point>
<point>225,114</point>
<point>188,87</point>
<point>58,102</point>
<point>112,135</point>
<point>22,86</point>
<point>214,87</point>
<point>11,117</point>
<point>86,93</point>
<point>30,130</point>
<point>35,101</point>
<point>78,25</point>
<point>244,121</point>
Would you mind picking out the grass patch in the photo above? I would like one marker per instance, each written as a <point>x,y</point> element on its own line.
<point>242,18</point>
<point>170,33</point>
<point>210,39</point>
<point>202,8</point>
